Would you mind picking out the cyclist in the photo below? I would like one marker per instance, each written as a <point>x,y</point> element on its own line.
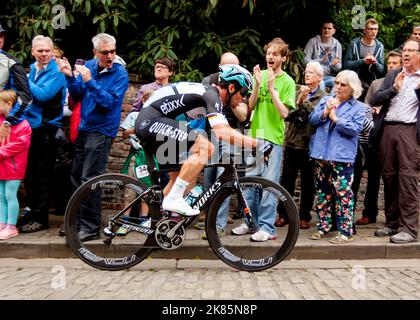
<point>157,128</point>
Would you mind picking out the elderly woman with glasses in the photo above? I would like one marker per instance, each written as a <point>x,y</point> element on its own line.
<point>338,121</point>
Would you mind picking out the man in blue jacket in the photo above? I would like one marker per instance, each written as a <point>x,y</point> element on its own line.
<point>48,88</point>
<point>100,85</point>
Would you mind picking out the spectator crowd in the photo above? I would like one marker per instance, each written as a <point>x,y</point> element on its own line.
<point>357,110</point>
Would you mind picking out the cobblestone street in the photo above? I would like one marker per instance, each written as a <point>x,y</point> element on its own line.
<point>52,279</point>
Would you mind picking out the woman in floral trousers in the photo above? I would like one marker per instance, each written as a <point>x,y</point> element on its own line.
<point>338,121</point>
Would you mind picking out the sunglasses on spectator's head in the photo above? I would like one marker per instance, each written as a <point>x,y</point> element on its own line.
<point>106,52</point>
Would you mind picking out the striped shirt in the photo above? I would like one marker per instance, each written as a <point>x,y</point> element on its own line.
<point>367,125</point>
<point>403,107</point>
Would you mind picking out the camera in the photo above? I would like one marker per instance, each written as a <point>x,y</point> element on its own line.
<point>79,62</point>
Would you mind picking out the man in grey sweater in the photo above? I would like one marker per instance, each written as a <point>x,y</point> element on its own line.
<point>326,50</point>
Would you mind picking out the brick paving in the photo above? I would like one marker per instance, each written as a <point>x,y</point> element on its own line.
<point>56,279</point>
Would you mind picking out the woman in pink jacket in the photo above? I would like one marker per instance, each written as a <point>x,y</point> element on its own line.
<point>13,162</point>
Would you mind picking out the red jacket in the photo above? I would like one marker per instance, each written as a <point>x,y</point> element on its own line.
<point>14,155</point>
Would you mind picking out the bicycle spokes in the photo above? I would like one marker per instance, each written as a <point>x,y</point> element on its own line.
<point>235,242</point>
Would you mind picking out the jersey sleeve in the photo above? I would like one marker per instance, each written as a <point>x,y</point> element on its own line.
<point>214,107</point>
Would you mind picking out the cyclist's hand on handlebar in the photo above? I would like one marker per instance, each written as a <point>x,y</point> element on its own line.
<point>264,147</point>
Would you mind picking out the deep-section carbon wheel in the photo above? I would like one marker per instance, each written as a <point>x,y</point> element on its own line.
<point>95,203</point>
<point>239,251</point>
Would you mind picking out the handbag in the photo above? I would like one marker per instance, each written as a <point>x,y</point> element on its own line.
<point>140,168</point>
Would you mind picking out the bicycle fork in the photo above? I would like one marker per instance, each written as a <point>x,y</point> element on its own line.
<point>249,220</point>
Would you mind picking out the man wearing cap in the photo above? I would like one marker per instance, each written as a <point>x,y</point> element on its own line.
<point>12,76</point>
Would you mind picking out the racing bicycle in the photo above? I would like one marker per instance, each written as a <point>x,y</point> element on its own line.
<point>104,199</point>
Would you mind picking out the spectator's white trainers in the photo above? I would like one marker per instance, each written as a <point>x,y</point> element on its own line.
<point>262,236</point>
<point>147,223</point>
<point>241,230</point>
<point>180,206</point>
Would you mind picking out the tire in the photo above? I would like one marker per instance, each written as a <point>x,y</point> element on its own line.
<point>238,251</point>
<point>124,251</point>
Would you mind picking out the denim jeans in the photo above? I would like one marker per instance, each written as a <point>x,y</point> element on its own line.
<point>90,159</point>
<point>263,205</point>
<point>327,81</point>
<point>210,175</point>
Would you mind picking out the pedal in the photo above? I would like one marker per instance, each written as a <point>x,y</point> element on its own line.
<point>108,232</point>
<point>108,241</point>
<point>175,217</point>
<point>109,236</point>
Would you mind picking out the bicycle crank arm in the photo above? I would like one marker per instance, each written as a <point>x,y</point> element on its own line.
<point>171,233</point>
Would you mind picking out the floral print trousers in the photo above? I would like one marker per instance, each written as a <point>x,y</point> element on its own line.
<point>333,194</point>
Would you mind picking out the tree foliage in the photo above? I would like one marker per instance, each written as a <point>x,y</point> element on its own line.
<point>395,17</point>
<point>188,32</point>
<point>26,18</point>
<point>196,32</point>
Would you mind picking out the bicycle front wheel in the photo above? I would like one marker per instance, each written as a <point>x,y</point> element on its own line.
<point>239,251</point>
<point>92,207</point>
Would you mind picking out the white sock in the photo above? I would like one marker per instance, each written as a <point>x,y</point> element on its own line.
<point>178,189</point>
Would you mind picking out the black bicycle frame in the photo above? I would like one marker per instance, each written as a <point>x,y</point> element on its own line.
<point>228,179</point>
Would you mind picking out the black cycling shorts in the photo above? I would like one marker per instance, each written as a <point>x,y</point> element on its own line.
<point>168,139</point>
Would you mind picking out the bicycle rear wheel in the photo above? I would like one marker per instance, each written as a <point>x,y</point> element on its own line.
<point>238,251</point>
<point>95,203</point>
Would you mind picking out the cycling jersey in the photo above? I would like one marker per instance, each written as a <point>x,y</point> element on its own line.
<point>195,100</point>
<point>157,125</point>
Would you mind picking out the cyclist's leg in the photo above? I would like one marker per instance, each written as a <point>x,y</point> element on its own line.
<point>172,178</point>
<point>169,185</point>
<point>167,138</point>
<point>200,153</point>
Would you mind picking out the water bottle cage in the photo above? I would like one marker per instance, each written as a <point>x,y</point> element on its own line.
<point>194,194</point>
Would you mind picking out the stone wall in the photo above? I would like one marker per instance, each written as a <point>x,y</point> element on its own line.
<point>120,149</point>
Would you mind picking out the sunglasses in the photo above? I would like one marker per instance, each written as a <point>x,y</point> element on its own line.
<point>243,92</point>
<point>106,52</point>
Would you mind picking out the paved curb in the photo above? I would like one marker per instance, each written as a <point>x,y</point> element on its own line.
<point>46,244</point>
<point>164,264</point>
